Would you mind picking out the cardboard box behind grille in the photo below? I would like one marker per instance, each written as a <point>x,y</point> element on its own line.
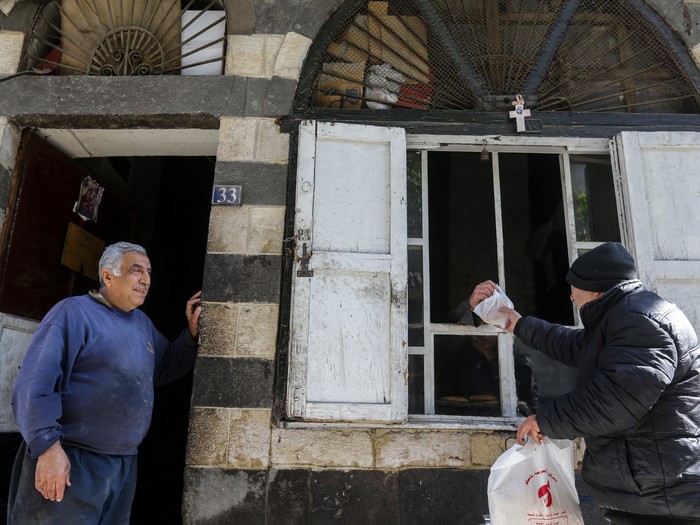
<point>340,86</point>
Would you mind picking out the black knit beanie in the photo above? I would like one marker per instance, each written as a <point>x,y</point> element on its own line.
<point>601,268</point>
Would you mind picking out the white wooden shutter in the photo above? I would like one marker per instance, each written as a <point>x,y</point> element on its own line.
<point>660,177</point>
<point>348,344</point>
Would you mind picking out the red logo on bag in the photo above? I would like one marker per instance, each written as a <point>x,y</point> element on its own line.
<point>545,495</point>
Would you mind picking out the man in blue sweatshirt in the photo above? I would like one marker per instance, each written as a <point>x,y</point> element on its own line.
<point>84,397</point>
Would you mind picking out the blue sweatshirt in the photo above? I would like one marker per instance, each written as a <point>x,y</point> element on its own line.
<point>88,377</point>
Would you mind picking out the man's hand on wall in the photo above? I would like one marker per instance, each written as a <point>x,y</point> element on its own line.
<point>193,310</point>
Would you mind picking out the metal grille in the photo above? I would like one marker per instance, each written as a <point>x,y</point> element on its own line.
<point>612,59</point>
<point>128,37</point>
<point>563,55</point>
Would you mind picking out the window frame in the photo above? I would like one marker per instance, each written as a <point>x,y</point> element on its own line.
<point>564,148</point>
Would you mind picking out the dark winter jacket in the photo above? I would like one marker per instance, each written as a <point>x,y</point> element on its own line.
<point>636,402</point>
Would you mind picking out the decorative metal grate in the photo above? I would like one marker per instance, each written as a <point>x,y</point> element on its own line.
<point>128,37</point>
<point>562,55</point>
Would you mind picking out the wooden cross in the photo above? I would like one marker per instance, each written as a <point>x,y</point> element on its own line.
<point>519,113</point>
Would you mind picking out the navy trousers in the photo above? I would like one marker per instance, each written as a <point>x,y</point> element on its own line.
<point>102,489</point>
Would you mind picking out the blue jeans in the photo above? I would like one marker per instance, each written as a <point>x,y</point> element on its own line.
<point>102,489</point>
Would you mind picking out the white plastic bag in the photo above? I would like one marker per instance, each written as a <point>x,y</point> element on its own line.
<point>488,309</point>
<point>534,485</point>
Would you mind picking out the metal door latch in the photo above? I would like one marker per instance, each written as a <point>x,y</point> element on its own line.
<point>304,270</point>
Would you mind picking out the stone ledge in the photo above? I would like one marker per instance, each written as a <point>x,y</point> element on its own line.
<point>408,449</point>
<point>153,102</point>
<point>322,448</point>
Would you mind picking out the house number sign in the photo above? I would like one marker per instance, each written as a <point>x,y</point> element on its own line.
<point>226,195</point>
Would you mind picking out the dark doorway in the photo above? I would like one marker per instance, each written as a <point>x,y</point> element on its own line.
<point>173,195</point>
<point>162,203</point>
<point>177,255</point>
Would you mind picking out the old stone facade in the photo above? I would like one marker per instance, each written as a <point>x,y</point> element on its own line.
<point>245,462</point>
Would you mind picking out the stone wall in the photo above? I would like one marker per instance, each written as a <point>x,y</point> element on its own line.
<point>243,465</point>
<point>683,17</point>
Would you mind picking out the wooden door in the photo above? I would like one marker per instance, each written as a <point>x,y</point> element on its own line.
<point>661,186</point>
<point>349,349</point>
<point>45,188</point>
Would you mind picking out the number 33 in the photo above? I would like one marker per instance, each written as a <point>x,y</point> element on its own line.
<point>226,195</point>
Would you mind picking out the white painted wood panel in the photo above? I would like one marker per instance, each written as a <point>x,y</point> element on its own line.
<point>686,294</point>
<point>659,173</point>
<point>343,347</point>
<point>354,201</point>
<point>348,345</point>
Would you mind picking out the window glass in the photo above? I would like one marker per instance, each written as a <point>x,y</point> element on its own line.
<point>416,397</point>
<point>484,224</point>
<point>551,378</point>
<point>595,208</point>
<point>415,296</point>
<point>534,236</point>
<point>414,191</point>
<point>526,382</point>
<point>466,376</point>
<point>462,229</point>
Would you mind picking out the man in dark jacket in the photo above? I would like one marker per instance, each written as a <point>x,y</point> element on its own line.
<point>637,397</point>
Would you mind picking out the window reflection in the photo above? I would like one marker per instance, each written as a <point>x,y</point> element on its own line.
<point>553,378</point>
<point>414,190</point>
<point>415,296</point>
<point>466,376</point>
<point>462,226</point>
<point>595,208</point>
<point>416,398</point>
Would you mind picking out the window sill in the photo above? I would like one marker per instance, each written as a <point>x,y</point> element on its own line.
<point>420,423</point>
